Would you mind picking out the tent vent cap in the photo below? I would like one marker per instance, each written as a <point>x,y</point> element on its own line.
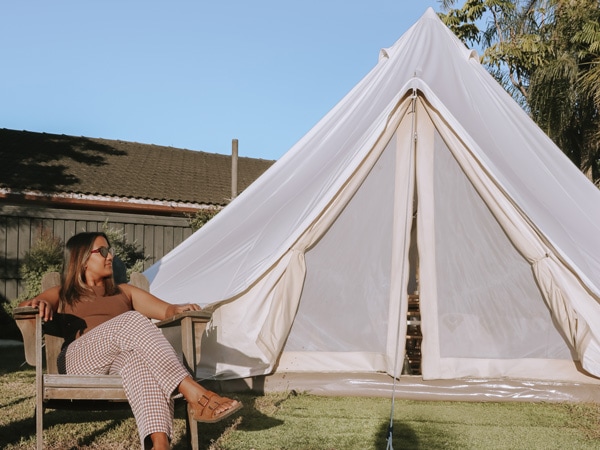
<point>472,54</point>
<point>383,54</point>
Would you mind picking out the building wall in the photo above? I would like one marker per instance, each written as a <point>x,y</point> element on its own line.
<point>20,227</point>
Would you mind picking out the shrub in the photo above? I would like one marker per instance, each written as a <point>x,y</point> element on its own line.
<point>45,255</point>
<point>200,217</point>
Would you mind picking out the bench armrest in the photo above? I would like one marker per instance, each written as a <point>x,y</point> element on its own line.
<point>199,315</point>
<point>27,318</point>
<point>25,312</point>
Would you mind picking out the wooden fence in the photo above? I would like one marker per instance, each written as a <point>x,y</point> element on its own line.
<point>20,228</point>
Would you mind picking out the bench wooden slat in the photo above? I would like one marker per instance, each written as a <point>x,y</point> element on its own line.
<point>83,381</point>
<point>72,393</point>
<point>177,318</point>
<point>89,393</point>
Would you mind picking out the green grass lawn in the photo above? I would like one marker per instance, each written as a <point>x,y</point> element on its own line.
<point>300,421</point>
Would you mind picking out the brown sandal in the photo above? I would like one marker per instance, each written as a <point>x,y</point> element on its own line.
<point>205,409</point>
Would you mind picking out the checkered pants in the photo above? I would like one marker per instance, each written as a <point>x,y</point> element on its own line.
<point>130,345</point>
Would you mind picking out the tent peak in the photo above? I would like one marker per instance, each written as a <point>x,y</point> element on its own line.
<point>430,12</point>
<point>472,54</point>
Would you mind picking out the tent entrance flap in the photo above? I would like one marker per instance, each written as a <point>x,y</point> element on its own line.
<point>345,306</point>
<point>483,311</point>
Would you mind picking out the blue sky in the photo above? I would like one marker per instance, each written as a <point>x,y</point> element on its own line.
<point>189,74</point>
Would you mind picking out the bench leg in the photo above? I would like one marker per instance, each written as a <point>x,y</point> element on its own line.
<point>39,385</point>
<point>192,428</point>
<point>39,424</point>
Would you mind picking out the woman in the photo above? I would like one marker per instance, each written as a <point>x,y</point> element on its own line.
<point>109,333</point>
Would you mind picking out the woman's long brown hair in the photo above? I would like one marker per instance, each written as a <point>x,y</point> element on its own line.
<point>77,251</point>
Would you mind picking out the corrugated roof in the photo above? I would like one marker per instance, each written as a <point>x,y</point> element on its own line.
<point>52,163</point>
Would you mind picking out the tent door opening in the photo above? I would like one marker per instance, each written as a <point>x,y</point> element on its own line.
<point>414,336</point>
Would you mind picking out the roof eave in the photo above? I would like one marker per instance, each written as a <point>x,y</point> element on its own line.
<point>103,203</point>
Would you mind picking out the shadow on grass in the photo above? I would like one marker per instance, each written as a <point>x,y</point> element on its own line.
<point>252,420</point>
<point>22,430</point>
<point>405,437</point>
<point>13,359</point>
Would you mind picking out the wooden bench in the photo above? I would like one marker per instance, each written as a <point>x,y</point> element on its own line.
<point>90,392</point>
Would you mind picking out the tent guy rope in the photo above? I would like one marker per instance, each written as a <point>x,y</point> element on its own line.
<point>404,246</point>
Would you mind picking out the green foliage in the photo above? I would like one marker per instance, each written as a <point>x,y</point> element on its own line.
<point>201,217</point>
<point>546,53</point>
<point>45,255</point>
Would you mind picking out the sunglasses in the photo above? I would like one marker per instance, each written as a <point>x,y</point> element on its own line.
<point>104,251</point>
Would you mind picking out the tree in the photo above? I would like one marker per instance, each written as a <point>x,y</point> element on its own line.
<point>546,53</point>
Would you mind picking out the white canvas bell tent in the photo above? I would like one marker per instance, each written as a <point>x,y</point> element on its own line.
<point>310,267</point>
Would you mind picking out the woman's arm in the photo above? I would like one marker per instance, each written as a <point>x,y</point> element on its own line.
<point>153,307</point>
<point>46,302</point>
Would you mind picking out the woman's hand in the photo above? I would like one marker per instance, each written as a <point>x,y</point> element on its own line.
<point>45,308</point>
<point>46,302</point>
<point>173,310</point>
